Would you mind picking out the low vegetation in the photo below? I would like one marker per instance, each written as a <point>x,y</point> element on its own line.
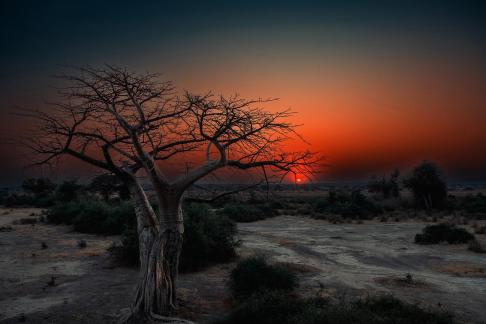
<point>387,188</point>
<point>265,294</point>
<point>208,237</point>
<point>248,211</point>
<point>434,234</point>
<point>277,308</point>
<point>476,246</point>
<point>254,275</point>
<point>352,204</point>
<point>92,215</point>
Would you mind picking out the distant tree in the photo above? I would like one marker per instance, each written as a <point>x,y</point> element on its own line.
<point>38,186</point>
<point>428,185</point>
<point>387,187</point>
<point>68,190</point>
<point>108,184</point>
<point>126,123</point>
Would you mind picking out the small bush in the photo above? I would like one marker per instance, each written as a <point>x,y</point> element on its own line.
<point>68,190</point>
<point>63,213</point>
<point>476,246</point>
<point>254,275</point>
<point>92,215</point>
<point>208,238</point>
<point>474,204</point>
<point>480,230</point>
<point>434,234</point>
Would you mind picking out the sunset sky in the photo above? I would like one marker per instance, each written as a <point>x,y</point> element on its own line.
<point>377,85</point>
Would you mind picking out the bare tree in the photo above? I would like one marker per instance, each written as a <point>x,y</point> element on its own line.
<point>127,123</point>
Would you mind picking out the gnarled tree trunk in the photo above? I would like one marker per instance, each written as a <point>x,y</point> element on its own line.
<point>160,244</point>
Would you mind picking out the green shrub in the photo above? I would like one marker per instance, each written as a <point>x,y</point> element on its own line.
<point>92,215</point>
<point>63,213</point>
<point>434,234</point>
<point>278,308</point>
<point>254,275</point>
<point>68,190</point>
<point>208,238</point>
<point>128,253</point>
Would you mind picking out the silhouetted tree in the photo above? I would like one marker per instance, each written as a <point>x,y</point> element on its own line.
<point>125,122</point>
<point>387,187</point>
<point>428,185</point>
<point>38,186</point>
<point>108,184</point>
<point>68,190</point>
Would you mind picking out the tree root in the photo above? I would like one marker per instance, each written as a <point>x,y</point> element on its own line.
<point>151,318</point>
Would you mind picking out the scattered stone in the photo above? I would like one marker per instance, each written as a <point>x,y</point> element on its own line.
<point>43,245</point>
<point>409,278</point>
<point>22,318</point>
<point>6,229</point>
<point>52,282</point>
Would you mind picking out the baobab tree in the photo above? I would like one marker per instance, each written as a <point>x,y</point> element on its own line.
<point>128,123</point>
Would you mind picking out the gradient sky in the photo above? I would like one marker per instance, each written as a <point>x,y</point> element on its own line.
<point>377,84</point>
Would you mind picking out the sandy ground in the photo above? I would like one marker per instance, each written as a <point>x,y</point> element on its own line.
<point>375,258</point>
<point>87,287</point>
<point>344,259</point>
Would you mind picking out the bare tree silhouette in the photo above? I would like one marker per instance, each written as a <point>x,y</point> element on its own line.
<point>126,123</point>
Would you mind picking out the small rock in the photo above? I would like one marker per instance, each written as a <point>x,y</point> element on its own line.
<point>52,282</point>
<point>82,244</point>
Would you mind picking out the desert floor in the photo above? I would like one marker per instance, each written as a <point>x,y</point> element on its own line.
<point>65,284</point>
